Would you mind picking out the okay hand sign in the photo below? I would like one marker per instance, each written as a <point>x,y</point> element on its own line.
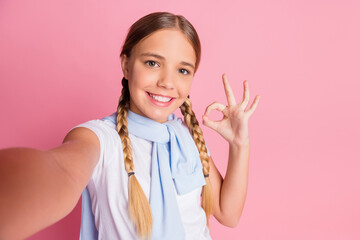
<point>234,124</point>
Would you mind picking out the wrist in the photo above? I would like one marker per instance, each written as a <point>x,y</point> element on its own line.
<point>240,143</point>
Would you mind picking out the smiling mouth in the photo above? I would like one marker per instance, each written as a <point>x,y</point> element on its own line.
<point>159,98</point>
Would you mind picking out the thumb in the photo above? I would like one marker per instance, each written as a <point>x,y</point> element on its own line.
<point>210,123</point>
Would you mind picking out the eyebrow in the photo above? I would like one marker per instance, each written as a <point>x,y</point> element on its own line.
<point>163,58</point>
<point>188,64</point>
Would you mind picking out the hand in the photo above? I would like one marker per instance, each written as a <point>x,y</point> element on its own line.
<point>234,124</point>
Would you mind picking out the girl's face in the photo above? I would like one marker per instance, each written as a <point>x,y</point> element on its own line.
<point>160,71</point>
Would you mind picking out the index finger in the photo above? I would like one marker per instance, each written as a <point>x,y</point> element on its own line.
<point>228,91</point>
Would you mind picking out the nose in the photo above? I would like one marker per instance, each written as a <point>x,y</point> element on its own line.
<point>166,80</point>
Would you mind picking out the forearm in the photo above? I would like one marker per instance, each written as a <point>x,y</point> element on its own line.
<point>32,192</point>
<point>235,184</point>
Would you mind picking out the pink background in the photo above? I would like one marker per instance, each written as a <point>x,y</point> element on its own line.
<point>59,66</point>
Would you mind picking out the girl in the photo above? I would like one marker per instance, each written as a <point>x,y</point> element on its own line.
<point>144,168</point>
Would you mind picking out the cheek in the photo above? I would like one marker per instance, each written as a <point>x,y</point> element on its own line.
<point>185,88</point>
<point>138,79</point>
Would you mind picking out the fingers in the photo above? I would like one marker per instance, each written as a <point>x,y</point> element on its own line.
<point>207,121</point>
<point>246,96</point>
<point>228,91</point>
<point>253,105</point>
<point>215,106</point>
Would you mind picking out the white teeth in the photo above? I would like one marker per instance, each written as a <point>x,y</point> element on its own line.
<point>160,98</point>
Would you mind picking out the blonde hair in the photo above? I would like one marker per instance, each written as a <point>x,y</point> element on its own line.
<point>139,207</point>
<point>207,201</point>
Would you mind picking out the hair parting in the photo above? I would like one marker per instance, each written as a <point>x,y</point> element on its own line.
<point>157,21</point>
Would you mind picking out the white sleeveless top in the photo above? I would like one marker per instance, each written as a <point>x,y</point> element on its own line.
<point>108,187</point>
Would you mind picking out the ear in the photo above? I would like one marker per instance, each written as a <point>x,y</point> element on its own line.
<point>124,65</point>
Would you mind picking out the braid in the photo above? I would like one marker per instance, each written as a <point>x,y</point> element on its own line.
<point>122,129</point>
<point>139,207</point>
<point>197,134</point>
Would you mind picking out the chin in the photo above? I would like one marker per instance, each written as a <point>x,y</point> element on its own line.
<point>159,118</point>
<point>158,115</point>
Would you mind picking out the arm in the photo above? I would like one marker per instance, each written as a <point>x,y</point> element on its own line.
<point>38,188</point>
<point>230,192</point>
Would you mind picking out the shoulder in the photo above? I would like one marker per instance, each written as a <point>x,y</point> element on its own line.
<point>93,134</point>
<point>103,128</point>
<point>102,135</point>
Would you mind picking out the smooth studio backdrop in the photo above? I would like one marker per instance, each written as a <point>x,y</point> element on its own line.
<point>60,66</point>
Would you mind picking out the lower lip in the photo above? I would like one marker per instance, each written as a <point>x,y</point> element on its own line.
<point>160,104</point>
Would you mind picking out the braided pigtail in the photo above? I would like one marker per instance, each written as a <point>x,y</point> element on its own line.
<point>139,207</point>
<point>207,201</point>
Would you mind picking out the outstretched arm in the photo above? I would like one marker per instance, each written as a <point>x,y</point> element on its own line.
<point>38,188</point>
<point>230,192</point>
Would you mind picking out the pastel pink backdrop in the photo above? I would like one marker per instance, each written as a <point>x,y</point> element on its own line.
<point>60,66</point>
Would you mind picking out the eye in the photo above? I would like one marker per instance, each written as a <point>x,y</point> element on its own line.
<point>184,71</point>
<point>152,64</point>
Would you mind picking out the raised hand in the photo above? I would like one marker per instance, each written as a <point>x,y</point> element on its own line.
<point>234,124</point>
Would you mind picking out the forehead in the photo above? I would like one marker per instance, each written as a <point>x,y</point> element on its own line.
<point>169,43</point>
